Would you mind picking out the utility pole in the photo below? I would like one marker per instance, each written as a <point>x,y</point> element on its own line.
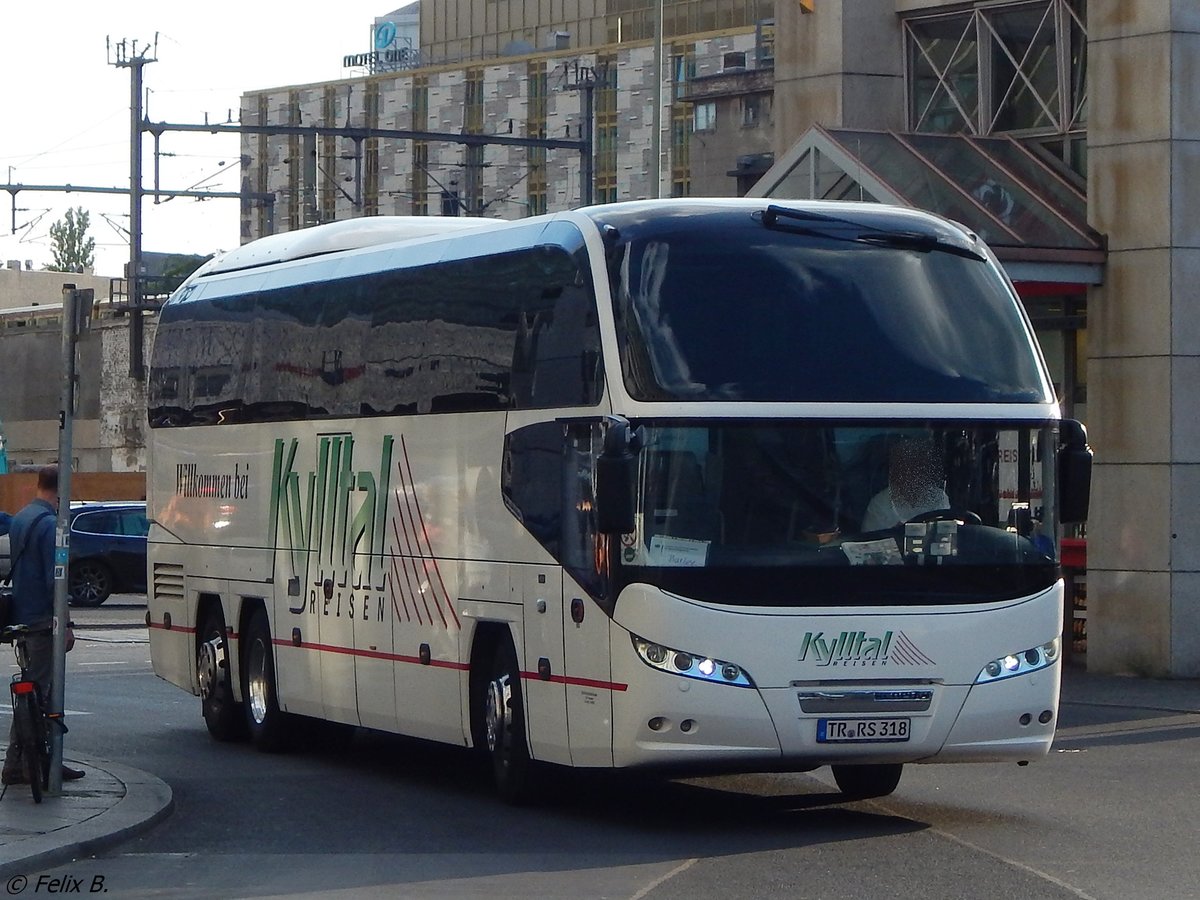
<point>585,83</point>
<point>77,312</point>
<point>130,57</point>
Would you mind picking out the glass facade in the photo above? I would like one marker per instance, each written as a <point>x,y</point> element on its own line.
<point>1017,68</point>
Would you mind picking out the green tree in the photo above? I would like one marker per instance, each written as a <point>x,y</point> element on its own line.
<point>72,249</point>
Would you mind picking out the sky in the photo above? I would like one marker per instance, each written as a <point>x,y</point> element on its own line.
<point>65,118</point>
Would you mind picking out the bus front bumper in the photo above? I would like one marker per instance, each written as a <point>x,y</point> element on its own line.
<point>676,722</point>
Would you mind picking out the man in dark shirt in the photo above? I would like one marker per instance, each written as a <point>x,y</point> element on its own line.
<point>31,553</point>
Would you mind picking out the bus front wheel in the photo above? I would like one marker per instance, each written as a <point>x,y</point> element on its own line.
<point>504,727</point>
<point>269,726</point>
<point>864,782</point>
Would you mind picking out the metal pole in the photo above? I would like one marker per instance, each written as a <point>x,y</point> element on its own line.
<point>656,119</point>
<point>136,367</point>
<point>61,540</point>
<point>589,136</point>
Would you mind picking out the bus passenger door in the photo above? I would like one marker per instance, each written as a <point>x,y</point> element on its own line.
<point>542,664</point>
<point>585,625</point>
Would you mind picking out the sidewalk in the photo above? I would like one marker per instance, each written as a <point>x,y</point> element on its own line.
<point>111,804</point>
<point>1131,692</point>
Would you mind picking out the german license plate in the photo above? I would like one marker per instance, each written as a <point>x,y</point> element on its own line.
<point>863,731</point>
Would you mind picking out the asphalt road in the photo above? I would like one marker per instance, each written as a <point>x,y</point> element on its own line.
<point>1111,813</point>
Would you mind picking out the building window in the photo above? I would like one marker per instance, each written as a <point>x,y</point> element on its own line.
<point>329,158</point>
<point>294,164</point>
<point>1013,69</point>
<point>606,129</point>
<point>370,199</point>
<point>764,43</point>
<point>265,220</point>
<point>704,116</point>
<point>472,198</point>
<point>752,109</point>
<point>420,149</point>
<point>683,68</point>
<point>535,127</point>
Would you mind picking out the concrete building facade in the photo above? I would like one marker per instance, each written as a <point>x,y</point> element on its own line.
<point>23,286</point>
<point>536,95</point>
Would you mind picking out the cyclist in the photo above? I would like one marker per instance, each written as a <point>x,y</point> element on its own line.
<point>31,550</point>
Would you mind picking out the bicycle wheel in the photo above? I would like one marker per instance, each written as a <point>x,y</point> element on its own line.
<point>26,722</point>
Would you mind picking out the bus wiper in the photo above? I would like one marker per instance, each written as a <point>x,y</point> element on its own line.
<point>867,234</point>
<point>909,240</point>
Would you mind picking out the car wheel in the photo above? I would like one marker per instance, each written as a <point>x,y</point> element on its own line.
<point>91,582</point>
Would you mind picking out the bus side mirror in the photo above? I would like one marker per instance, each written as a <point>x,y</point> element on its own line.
<point>615,470</point>
<point>1074,472</point>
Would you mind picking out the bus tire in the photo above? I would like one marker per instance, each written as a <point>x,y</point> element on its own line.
<point>504,728</point>
<point>270,728</point>
<point>224,716</point>
<point>865,782</point>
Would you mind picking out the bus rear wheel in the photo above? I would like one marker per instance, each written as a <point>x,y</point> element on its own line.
<point>270,728</point>
<point>864,782</point>
<point>224,716</point>
<point>504,729</point>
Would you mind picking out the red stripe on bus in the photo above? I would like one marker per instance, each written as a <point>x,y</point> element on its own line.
<point>370,654</point>
<point>444,664</point>
<point>577,682</point>
<point>180,628</point>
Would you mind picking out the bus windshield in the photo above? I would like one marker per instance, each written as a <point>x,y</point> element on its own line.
<point>721,307</point>
<point>809,514</point>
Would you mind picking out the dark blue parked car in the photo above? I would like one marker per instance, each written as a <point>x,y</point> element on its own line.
<point>108,550</point>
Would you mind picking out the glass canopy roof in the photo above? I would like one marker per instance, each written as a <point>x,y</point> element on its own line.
<point>1024,203</point>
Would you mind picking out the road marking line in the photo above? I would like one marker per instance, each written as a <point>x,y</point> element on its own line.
<point>1066,886</point>
<point>682,867</point>
<point>111,662</point>
<point>6,711</point>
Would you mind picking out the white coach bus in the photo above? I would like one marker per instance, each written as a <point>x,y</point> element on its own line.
<point>700,485</point>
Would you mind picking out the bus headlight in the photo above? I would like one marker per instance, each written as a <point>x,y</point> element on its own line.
<point>689,664</point>
<point>1020,663</point>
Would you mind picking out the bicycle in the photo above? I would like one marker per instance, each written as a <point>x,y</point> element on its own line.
<point>30,722</point>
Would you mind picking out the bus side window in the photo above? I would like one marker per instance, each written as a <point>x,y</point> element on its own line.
<point>556,358</point>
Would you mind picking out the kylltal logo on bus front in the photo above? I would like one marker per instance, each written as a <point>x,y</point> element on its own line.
<point>332,517</point>
<point>851,649</point>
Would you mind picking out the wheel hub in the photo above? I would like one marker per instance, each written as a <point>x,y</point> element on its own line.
<point>210,668</point>
<point>256,682</point>
<point>498,714</point>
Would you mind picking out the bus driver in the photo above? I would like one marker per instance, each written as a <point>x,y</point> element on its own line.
<point>916,484</point>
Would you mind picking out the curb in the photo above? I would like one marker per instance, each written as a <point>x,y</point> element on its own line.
<point>147,801</point>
